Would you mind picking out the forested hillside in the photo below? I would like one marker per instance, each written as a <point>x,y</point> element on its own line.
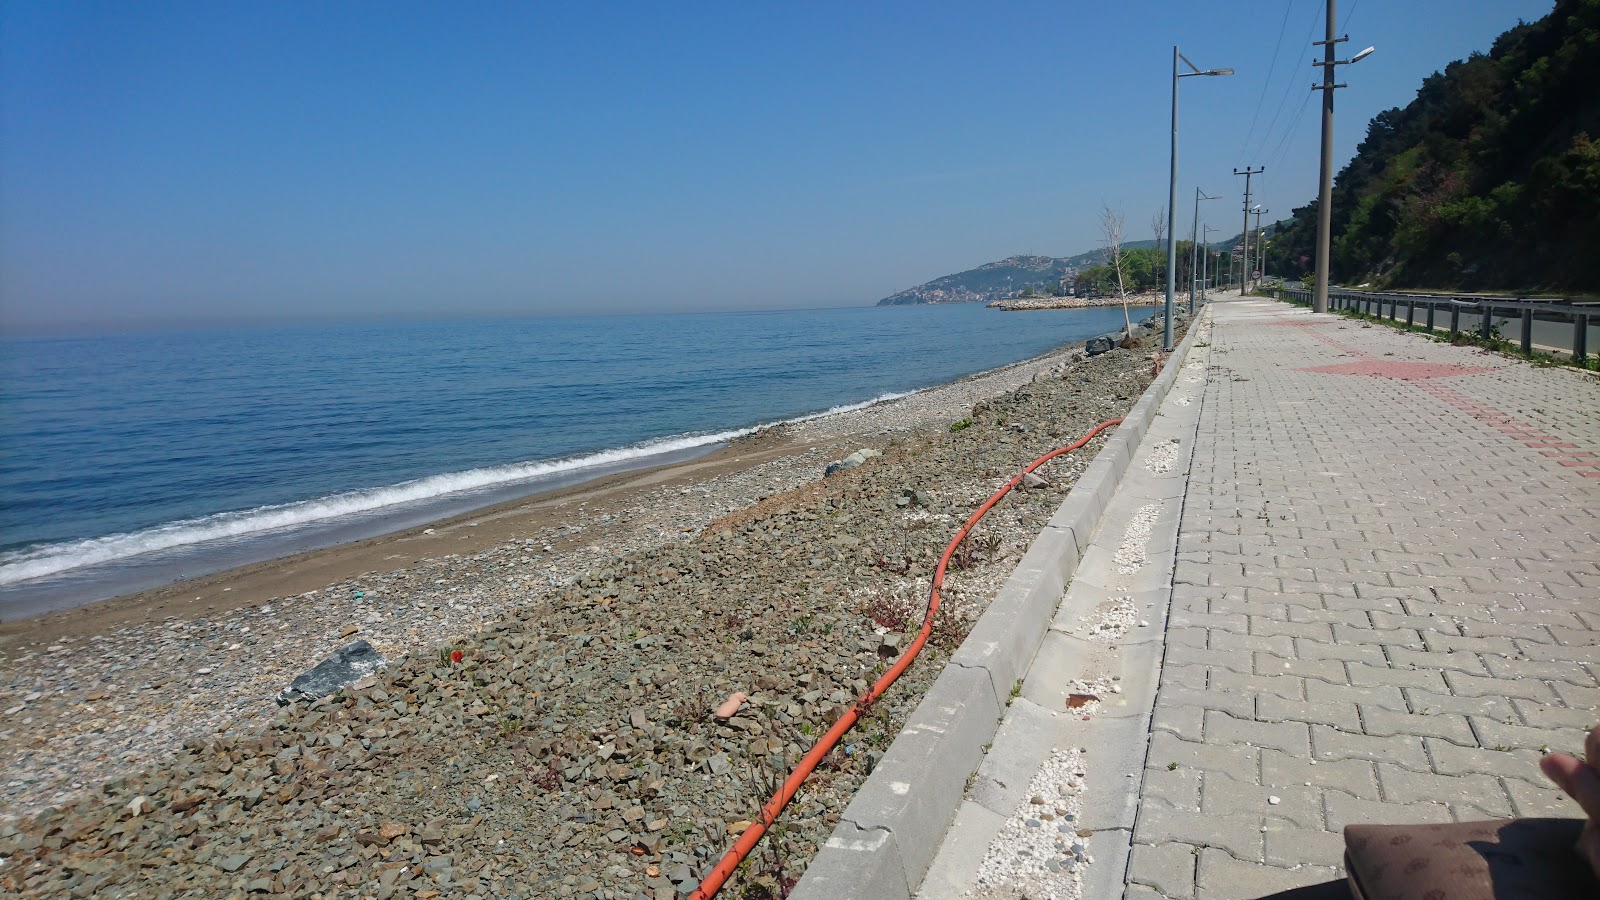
<point>1489,179</point>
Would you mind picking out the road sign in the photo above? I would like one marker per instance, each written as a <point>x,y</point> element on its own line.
<point>1256,274</point>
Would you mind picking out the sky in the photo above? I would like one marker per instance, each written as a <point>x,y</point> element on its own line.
<point>166,162</point>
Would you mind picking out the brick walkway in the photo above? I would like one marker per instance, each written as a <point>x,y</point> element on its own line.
<point>1384,602</point>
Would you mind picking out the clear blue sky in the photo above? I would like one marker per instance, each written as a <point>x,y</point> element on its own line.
<point>171,161</point>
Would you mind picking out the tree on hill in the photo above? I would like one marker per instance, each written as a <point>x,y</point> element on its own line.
<point>1489,179</point>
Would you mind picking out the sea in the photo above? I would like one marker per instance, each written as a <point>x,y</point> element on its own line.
<point>132,460</point>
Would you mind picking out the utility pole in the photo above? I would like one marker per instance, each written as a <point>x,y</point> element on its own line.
<point>1194,244</point>
<point>1244,282</point>
<point>1205,258</point>
<point>1319,299</point>
<point>1261,243</point>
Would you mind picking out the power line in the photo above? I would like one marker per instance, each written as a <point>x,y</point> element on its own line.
<point>1250,132</point>
<point>1288,89</point>
<point>1348,13</point>
<point>1288,134</point>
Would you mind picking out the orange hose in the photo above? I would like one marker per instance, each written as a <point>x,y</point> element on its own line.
<point>769,811</point>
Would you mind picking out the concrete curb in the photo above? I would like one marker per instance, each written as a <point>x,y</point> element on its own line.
<point>888,835</point>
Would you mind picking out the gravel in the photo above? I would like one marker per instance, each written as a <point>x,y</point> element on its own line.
<point>571,752</point>
<point>1039,853</point>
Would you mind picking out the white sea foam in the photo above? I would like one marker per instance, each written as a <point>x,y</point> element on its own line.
<point>50,559</point>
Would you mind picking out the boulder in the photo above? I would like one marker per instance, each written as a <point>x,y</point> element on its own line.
<point>1098,345</point>
<point>851,461</point>
<point>347,665</point>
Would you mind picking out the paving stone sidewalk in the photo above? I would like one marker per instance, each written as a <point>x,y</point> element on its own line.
<point>1384,602</point>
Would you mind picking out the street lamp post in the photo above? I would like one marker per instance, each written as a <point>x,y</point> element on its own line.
<point>1319,299</point>
<point>1205,256</point>
<point>1194,244</point>
<point>1172,182</point>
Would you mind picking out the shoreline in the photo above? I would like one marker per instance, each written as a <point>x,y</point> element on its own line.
<point>164,565</point>
<point>1135,301</point>
<point>572,741</point>
<point>121,682</point>
<point>342,560</point>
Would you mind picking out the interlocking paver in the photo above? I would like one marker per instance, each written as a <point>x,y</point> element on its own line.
<point>1401,785</point>
<point>1488,686</point>
<point>1222,876</point>
<point>1454,759</point>
<point>1343,809</point>
<point>1158,824</point>
<point>1223,729</point>
<point>1403,749</point>
<point>1418,585</point>
<point>1168,868</point>
<point>1300,804</point>
<point>1429,703</point>
<point>1382,721</point>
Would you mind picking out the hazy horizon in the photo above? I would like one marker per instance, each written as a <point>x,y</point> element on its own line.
<point>192,163</point>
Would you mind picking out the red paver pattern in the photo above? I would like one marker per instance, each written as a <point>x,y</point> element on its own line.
<point>1405,371</point>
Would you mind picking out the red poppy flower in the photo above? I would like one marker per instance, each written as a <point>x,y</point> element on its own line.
<point>456,656</point>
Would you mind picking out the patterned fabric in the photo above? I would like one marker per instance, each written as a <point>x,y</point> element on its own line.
<point>1517,859</point>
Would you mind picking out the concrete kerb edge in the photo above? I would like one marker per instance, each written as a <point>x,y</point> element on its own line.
<point>1011,629</point>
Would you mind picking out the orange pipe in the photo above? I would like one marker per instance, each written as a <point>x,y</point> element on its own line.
<point>769,811</point>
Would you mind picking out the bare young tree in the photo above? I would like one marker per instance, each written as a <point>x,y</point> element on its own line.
<point>1158,224</point>
<point>1111,227</point>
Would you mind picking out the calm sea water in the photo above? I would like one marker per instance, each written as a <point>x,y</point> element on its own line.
<point>132,460</point>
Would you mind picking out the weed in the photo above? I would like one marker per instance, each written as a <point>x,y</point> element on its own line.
<point>547,779</point>
<point>888,613</point>
<point>1172,767</point>
<point>972,551</point>
<point>1016,691</point>
<point>949,630</point>
<point>961,425</point>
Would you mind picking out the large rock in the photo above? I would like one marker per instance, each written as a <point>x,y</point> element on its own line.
<point>347,665</point>
<point>1098,345</point>
<point>851,461</point>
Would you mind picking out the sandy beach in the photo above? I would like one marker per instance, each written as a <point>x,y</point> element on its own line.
<point>639,600</point>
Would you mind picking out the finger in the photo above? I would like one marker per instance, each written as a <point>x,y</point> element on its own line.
<point>1591,746</point>
<point>1577,778</point>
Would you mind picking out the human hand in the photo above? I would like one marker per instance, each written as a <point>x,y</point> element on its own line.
<point>1581,781</point>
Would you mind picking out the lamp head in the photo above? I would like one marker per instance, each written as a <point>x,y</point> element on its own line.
<point>1362,55</point>
<point>1229,71</point>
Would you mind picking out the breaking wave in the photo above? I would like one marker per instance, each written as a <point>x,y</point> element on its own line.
<point>41,560</point>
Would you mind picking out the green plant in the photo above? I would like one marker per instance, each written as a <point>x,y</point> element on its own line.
<point>1016,691</point>
<point>961,425</point>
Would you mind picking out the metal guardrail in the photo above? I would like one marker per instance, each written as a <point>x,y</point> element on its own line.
<point>1483,308</point>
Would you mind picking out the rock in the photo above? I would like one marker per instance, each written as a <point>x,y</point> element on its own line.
<point>349,630</point>
<point>187,803</point>
<point>233,863</point>
<point>851,461</point>
<point>730,706</point>
<point>140,805</point>
<point>1031,480</point>
<point>347,665</point>
<point>1097,345</point>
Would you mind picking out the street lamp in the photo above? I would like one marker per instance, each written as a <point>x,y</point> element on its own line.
<point>1194,245</point>
<point>1319,299</point>
<point>1172,185</point>
<point>1205,257</point>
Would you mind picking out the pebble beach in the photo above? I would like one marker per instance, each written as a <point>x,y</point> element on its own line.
<point>543,724</point>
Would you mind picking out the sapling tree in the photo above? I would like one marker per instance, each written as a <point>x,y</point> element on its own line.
<point>1111,228</point>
